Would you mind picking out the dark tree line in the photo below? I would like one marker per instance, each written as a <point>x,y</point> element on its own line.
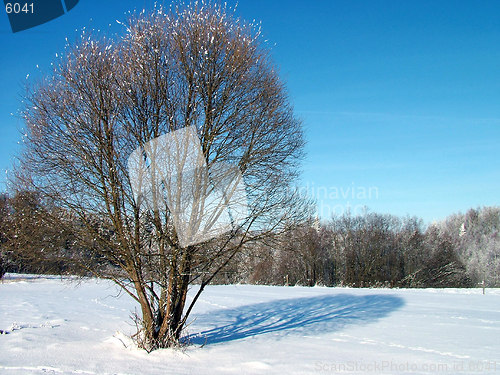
<point>360,251</point>
<point>380,250</point>
<point>35,237</point>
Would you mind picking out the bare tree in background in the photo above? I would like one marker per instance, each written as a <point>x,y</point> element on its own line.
<point>3,232</point>
<point>195,66</point>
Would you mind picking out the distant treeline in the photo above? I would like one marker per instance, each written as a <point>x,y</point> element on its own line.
<point>372,250</point>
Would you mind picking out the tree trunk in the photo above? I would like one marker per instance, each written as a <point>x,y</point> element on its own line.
<point>169,325</point>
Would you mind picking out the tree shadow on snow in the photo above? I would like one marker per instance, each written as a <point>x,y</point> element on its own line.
<point>314,315</point>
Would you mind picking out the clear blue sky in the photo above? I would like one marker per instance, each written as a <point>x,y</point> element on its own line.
<point>401,99</point>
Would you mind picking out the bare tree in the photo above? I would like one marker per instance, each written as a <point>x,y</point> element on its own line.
<point>34,235</point>
<point>3,232</point>
<point>195,66</point>
<point>476,240</point>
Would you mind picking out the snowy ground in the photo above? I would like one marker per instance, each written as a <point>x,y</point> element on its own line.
<point>57,327</point>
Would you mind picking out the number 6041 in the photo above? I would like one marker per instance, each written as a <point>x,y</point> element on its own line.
<point>18,8</point>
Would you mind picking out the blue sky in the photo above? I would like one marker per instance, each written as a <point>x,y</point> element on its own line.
<point>400,99</point>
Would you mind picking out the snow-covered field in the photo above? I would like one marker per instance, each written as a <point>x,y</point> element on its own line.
<point>57,327</point>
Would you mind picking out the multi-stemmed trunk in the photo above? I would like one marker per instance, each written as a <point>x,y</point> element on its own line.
<point>163,321</point>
